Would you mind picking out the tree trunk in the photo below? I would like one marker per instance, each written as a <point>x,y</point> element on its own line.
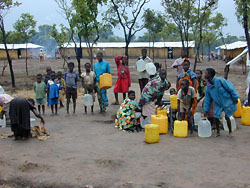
<point>245,23</point>
<point>126,48</point>
<point>153,50</point>
<point>8,56</point>
<point>209,48</point>
<point>26,59</point>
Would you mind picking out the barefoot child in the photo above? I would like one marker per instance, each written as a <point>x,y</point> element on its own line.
<point>202,87</point>
<point>123,81</point>
<point>62,91</point>
<point>88,83</point>
<point>39,88</point>
<point>71,79</point>
<point>186,96</point>
<point>53,90</point>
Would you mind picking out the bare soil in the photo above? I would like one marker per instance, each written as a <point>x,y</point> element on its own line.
<point>86,150</point>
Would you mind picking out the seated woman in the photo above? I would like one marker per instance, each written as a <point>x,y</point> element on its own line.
<point>20,116</point>
<point>153,93</point>
<point>126,117</point>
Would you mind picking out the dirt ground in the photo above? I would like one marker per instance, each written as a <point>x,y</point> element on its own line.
<point>87,151</point>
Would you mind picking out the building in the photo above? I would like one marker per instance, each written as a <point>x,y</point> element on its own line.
<point>18,51</point>
<point>231,50</point>
<point>111,49</point>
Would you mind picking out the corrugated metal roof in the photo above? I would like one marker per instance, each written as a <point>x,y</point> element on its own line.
<point>20,46</point>
<point>234,45</point>
<point>132,44</point>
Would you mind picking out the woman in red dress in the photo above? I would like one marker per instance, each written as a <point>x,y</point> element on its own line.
<point>123,81</point>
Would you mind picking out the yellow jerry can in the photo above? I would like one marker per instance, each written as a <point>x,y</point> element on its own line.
<point>0,109</point>
<point>180,128</point>
<point>160,111</point>
<point>245,115</point>
<point>162,121</point>
<point>237,113</point>
<point>152,133</point>
<point>105,81</point>
<point>173,102</point>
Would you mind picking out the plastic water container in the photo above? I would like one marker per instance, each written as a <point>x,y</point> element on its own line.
<point>32,122</point>
<point>173,102</point>
<point>150,68</point>
<point>1,109</point>
<point>140,65</point>
<point>204,128</point>
<point>160,111</point>
<point>88,100</point>
<point>3,122</point>
<point>237,113</point>
<point>105,81</point>
<point>180,128</point>
<point>233,124</point>
<point>245,115</point>
<point>197,118</point>
<point>152,133</point>
<point>145,121</point>
<point>2,90</point>
<point>162,121</point>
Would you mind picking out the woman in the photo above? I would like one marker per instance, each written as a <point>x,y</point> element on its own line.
<point>126,117</point>
<point>153,93</point>
<point>20,116</point>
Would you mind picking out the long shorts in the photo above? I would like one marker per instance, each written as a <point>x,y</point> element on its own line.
<point>72,93</point>
<point>53,101</point>
<point>41,101</point>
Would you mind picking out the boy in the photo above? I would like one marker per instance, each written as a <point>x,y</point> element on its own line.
<point>53,90</point>
<point>100,68</point>
<point>225,98</point>
<point>202,87</point>
<point>62,91</point>
<point>71,79</point>
<point>185,97</point>
<point>46,79</point>
<point>88,83</point>
<point>39,88</point>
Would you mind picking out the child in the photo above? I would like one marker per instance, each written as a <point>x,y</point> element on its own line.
<point>88,83</point>
<point>46,79</point>
<point>123,81</point>
<point>53,90</point>
<point>62,91</point>
<point>71,79</point>
<point>185,97</point>
<point>126,117</point>
<point>202,87</point>
<point>39,88</point>
<point>172,112</point>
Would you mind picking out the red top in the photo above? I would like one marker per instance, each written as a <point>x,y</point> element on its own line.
<point>122,71</point>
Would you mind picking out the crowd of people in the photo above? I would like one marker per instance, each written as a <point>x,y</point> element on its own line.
<point>216,94</point>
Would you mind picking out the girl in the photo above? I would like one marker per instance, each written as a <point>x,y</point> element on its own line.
<point>126,117</point>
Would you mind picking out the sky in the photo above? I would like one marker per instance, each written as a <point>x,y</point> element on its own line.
<point>47,12</point>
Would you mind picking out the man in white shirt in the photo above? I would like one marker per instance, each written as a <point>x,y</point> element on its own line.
<point>143,76</point>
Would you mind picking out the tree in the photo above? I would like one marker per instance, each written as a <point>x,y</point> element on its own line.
<point>154,23</point>
<point>25,26</point>
<point>243,15</point>
<point>201,13</point>
<point>85,21</point>
<point>118,14</point>
<point>5,6</point>
<point>180,12</point>
<point>61,38</point>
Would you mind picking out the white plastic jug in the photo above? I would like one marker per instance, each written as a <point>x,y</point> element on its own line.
<point>3,121</point>
<point>1,90</point>
<point>140,65</point>
<point>32,122</point>
<point>87,100</point>
<point>204,128</point>
<point>248,82</point>
<point>233,124</point>
<point>197,118</point>
<point>145,121</point>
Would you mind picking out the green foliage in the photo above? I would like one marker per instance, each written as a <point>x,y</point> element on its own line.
<point>25,26</point>
<point>60,37</point>
<point>240,10</point>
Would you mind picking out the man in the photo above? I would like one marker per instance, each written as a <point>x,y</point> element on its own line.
<point>225,98</point>
<point>5,100</point>
<point>100,68</point>
<point>143,76</point>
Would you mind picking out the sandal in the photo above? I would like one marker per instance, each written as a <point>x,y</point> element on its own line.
<point>115,103</point>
